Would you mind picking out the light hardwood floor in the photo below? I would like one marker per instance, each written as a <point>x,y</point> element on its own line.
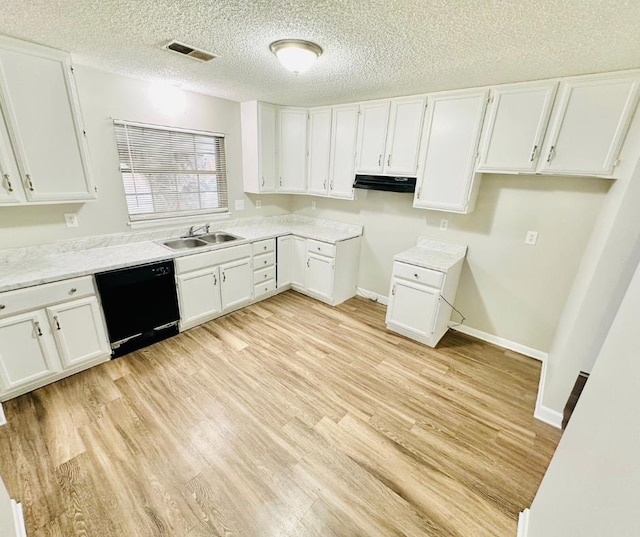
<point>287,418</point>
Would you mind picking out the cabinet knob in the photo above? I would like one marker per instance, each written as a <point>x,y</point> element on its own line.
<point>73,290</point>
<point>389,160</point>
<point>551,149</point>
<point>2,306</point>
<point>265,248</point>
<point>380,160</point>
<point>55,319</point>
<point>265,276</point>
<point>415,275</point>
<point>533,153</point>
<point>37,325</point>
<point>29,182</point>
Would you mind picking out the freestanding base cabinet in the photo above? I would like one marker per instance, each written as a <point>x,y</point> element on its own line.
<point>423,288</point>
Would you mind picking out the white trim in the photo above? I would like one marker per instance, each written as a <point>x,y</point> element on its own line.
<point>372,296</point>
<point>162,222</point>
<point>523,523</point>
<point>3,418</point>
<point>502,342</point>
<point>541,412</point>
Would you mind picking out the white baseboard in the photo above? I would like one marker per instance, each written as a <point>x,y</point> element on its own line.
<point>502,342</point>
<point>523,523</point>
<point>372,296</point>
<point>3,418</point>
<point>543,413</point>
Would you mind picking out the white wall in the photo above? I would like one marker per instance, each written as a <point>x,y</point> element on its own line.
<point>592,486</point>
<point>507,288</point>
<point>105,96</point>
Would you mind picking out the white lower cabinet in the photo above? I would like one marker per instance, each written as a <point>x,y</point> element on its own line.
<point>413,307</point>
<point>199,295</point>
<point>48,332</point>
<point>319,269</point>
<point>78,330</point>
<point>420,298</point>
<point>213,283</point>
<point>319,276</point>
<point>236,283</point>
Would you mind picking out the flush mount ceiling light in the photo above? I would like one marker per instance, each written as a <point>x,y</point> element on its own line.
<point>296,55</point>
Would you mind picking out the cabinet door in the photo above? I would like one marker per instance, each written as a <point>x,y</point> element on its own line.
<point>79,331</point>
<point>372,135</point>
<point>267,147</point>
<point>236,283</point>
<point>199,295</point>
<point>25,352</point>
<point>284,261</point>
<point>448,154</point>
<point>319,276</point>
<point>10,186</point>
<point>413,307</point>
<point>403,138</point>
<point>292,149</point>
<point>344,137</point>
<point>38,99</point>
<point>516,123</point>
<point>589,126</point>
<point>319,150</point>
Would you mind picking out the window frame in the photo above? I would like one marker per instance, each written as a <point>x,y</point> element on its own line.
<point>149,219</point>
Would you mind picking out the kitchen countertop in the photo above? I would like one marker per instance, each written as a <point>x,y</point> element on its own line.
<point>24,267</point>
<point>431,254</point>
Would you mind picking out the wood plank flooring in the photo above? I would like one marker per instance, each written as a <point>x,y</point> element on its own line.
<point>287,418</point>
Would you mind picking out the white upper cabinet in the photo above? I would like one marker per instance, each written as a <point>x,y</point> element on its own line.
<point>589,124</point>
<point>372,137</point>
<point>259,132</point>
<point>446,175</point>
<point>344,137</point>
<point>319,151</point>
<point>403,136</point>
<point>42,115</point>
<point>515,127</point>
<point>10,186</point>
<point>292,149</point>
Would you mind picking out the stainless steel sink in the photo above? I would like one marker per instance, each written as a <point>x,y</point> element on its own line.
<point>185,244</point>
<point>218,237</point>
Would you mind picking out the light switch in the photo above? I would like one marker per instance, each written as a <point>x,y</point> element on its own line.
<point>258,204</point>
<point>444,224</point>
<point>239,205</point>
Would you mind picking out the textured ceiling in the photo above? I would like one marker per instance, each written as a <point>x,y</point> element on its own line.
<point>374,48</point>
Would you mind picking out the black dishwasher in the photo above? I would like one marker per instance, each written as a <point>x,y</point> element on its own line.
<point>140,305</point>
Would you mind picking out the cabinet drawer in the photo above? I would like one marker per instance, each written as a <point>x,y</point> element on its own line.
<point>427,276</point>
<point>262,247</point>
<point>321,248</point>
<point>39,296</point>
<point>210,259</point>
<point>264,288</point>
<point>263,275</point>
<point>264,260</point>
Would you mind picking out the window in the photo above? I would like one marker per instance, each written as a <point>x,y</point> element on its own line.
<point>171,172</point>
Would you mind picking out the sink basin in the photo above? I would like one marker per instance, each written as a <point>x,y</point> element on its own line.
<point>184,244</point>
<point>218,237</point>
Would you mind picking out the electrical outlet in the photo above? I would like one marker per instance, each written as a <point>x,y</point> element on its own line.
<point>239,205</point>
<point>444,224</point>
<point>313,205</point>
<point>258,204</point>
<point>531,238</point>
<point>71,219</point>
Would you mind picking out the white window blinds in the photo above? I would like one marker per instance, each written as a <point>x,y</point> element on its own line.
<point>171,172</point>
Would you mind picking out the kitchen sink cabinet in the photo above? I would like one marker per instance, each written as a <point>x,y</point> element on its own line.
<point>42,119</point>
<point>48,332</point>
<point>199,296</point>
<point>447,179</point>
<point>236,283</point>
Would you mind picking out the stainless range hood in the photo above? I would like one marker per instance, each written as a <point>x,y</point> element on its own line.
<point>388,184</point>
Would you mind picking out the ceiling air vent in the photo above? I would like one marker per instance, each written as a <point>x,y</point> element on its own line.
<point>188,50</point>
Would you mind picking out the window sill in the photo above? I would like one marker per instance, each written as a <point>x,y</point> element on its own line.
<point>168,222</point>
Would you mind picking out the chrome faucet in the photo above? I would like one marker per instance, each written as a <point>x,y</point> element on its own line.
<point>192,230</point>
